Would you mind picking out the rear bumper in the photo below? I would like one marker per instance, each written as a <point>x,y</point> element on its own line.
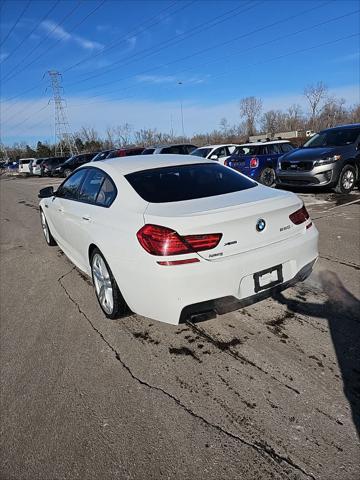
<point>168,293</point>
<point>219,306</point>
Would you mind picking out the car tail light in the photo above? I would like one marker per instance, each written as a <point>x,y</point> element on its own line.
<point>300,216</point>
<point>254,162</point>
<point>163,241</point>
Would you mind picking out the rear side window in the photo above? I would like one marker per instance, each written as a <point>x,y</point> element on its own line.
<point>69,189</point>
<point>275,149</point>
<point>91,185</point>
<point>106,194</point>
<point>286,147</point>
<point>187,182</point>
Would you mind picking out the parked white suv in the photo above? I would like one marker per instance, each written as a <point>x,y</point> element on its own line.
<point>215,152</point>
<point>24,165</point>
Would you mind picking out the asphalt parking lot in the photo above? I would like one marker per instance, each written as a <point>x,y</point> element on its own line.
<point>268,392</point>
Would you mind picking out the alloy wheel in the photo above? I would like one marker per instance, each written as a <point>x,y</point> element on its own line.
<point>103,284</point>
<point>45,228</point>
<point>348,179</point>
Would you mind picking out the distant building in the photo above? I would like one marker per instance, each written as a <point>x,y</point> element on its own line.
<point>262,137</point>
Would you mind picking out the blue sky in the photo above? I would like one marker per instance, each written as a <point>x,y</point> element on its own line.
<point>122,61</point>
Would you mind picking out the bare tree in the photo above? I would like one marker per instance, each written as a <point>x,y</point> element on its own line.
<point>333,113</point>
<point>273,121</point>
<point>295,120</point>
<point>250,109</point>
<point>316,95</point>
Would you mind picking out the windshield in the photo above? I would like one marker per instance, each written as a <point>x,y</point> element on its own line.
<point>101,156</point>
<point>201,152</point>
<point>70,160</point>
<point>187,182</point>
<point>333,138</point>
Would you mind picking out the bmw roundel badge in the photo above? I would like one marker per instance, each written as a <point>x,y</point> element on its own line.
<point>260,225</point>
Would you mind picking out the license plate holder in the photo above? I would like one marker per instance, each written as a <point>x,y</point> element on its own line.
<point>268,278</point>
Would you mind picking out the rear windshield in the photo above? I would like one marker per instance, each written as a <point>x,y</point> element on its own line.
<point>187,182</point>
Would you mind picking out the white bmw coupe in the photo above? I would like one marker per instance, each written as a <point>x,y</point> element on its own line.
<point>174,236</point>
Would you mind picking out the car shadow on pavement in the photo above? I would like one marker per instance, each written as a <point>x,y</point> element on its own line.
<point>341,310</point>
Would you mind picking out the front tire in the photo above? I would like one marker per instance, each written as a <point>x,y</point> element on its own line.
<point>46,231</point>
<point>107,292</point>
<point>267,177</point>
<point>347,179</point>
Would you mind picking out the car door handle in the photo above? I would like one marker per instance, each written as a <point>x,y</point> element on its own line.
<point>61,210</point>
<point>86,218</point>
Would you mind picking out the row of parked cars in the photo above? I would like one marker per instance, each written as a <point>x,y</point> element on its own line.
<point>329,158</point>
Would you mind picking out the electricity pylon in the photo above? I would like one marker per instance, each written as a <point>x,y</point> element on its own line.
<point>63,137</point>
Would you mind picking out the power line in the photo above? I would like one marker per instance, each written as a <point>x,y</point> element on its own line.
<point>32,31</point>
<point>337,40</point>
<point>124,37</point>
<point>10,74</point>
<point>171,42</point>
<point>16,22</point>
<point>245,65</point>
<point>28,118</point>
<point>199,52</point>
<point>141,27</point>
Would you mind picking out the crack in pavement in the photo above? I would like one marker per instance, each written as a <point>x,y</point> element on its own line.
<point>336,260</point>
<point>260,447</point>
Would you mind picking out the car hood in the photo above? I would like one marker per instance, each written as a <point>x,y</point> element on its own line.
<point>303,154</point>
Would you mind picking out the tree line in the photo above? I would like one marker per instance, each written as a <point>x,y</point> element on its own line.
<point>324,111</point>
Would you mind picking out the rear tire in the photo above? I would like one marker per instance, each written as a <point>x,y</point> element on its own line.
<point>347,179</point>
<point>267,177</point>
<point>107,291</point>
<point>46,230</point>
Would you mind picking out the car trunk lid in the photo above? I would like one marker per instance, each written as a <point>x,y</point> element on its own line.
<point>235,216</point>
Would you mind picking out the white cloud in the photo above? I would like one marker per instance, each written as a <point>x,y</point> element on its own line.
<point>351,57</point>
<point>198,116</point>
<point>58,32</point>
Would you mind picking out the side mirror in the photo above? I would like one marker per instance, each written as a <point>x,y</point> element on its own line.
<point>46,192</point>
<point>214,157</point>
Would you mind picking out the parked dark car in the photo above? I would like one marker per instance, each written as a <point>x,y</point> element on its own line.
<point>101,155</point>
<point>258,160</point>
<point>65,169</point>
<point>125,152</point>
<point>49,164</point>
<point>180,149</point>
<point>330,158</point>
<point>148,151</point>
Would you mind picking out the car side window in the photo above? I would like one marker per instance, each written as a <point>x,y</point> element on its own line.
<point>106,194</point>
<point>221,152</point>
<point>91,185</point>
<point>69,189</point>
<point>286,147</point>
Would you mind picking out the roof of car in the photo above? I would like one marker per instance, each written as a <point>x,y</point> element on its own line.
<point>350,125</point>
<point>271,142</point>
<point>220,145</point>
<point>137,163</point>
<point>172,145</point>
